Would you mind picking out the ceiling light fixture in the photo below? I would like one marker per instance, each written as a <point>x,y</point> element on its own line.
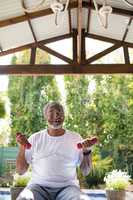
<point>128,3</point>
<point>58,7</point>
<point>32,8</point>
<point>103,13</point>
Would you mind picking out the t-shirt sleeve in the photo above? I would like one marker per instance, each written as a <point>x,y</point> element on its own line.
<point>28,152</point>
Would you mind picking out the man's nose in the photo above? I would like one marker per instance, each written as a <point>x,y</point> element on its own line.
<point>57,114</point>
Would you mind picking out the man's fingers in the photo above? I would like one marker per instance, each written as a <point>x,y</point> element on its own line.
<point>85,144</point>
<point>89,142</point>
<point>21,139</point>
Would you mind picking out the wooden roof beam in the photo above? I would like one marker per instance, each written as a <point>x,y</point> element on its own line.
<point>33,56</point>
<point>126,55</point>
<point>32,45</point>
<point>106,39</point>
<point>33,15</point>
<point>70,21</point>
<point>46,69</point>
<point>74,46</point>
<point>103,53</point>
<point>31,28</point>
<point>127,29</point>
<point>45,12</point>
<point>54,53</point>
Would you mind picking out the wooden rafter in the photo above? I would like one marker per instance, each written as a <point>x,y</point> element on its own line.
<point>83,48</point>
<point>33,56</point>
<point>77,65</point>
<point>70,20</point>
<point>107,39</point>
<point>31,45</point>
<point>79,28</point>
<point>54,53</point>
<point>33,15</point>
<point>103,53</point>
<point>31,28</point>
<point>127,29</point>
<point>74,46</point>
<point>48,11</point>
<point>126,55</point>
<point>33,50</point>
<point>66,69</point>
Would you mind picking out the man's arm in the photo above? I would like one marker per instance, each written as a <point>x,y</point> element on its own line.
<point>86,164</point>
<point>21,164</point>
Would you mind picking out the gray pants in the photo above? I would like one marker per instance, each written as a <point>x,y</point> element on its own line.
<point>37,192</point>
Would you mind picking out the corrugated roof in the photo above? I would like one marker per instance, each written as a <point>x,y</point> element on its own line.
<point>44,27</point>
<point>116,4</point>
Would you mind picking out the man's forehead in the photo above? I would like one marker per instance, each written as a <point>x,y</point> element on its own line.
<point>55,107</point>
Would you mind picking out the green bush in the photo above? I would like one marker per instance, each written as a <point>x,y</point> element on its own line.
<point>4,182</point>
<point>117,180</point>
<point>100,167</point>
<point>2,109</point>
<point>21,180</point>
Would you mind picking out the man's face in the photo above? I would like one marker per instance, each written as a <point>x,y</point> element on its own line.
<point>55,117</point>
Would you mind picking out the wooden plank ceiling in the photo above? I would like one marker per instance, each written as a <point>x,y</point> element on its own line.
<point>78,64</point>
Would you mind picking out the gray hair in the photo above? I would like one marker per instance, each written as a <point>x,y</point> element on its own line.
<point>55,105</point>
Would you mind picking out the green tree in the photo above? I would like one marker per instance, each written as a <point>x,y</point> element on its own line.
<point>2,109</point>
<point>28,96</point>
<point>111,106</point>
<point>77,98</point>
<point>4,119</point>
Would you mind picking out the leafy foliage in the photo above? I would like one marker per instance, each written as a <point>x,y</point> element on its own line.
<point>28,95</point>
<point>106,112</point>
<point>77,109</point>
<point>21,180</point>
<point>100,167</point>
<point>2,109</point>
<point>117,180</point>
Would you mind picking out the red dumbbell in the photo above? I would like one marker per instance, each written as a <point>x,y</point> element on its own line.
<point>92,141</point>
<point>27,145</point>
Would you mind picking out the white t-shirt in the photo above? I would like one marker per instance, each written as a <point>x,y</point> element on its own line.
<point>54,159</point>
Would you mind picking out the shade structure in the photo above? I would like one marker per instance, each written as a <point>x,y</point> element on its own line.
<point>21,29</point>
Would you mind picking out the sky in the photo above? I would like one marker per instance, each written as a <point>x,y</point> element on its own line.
<point>3,78</point>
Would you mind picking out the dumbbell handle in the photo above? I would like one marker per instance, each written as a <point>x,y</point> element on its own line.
<point>27,145</point>
<point>92,141</point>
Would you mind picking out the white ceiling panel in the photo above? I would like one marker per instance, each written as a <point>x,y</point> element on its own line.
<point>116,26</point>
<point>116,4</point>
<point>74,18</point>
<point>13,8</point>
<point>15,35</point>
<point>10,9</point>
<point>45,27</point>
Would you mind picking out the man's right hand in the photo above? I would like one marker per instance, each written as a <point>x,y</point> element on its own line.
<point>21,163</point>
<point>21,140</point>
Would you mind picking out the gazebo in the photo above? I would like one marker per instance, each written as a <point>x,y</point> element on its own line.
<point>32,24</point>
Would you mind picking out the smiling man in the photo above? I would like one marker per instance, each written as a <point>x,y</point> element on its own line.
<point>53,157</point>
